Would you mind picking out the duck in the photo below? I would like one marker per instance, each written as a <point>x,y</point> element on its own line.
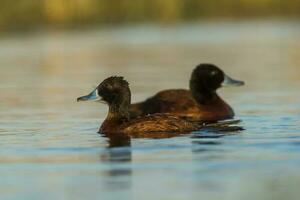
<point>115,92</point>
<point>200,103</point>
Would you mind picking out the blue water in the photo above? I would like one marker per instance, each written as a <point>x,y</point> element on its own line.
<point>50,148</point>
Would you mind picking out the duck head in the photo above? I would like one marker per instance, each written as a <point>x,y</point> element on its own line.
<point>207,78</point>
<point>113,91</point>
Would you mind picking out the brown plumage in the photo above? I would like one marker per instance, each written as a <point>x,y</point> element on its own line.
<point>181,103</point>
<point>116,93</point>
<point>200,103</point>
<point>156,123</point>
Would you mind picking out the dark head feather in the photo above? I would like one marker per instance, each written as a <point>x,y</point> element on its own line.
<point>114,89</point>
<point>206,77</point>
<point>114,81</point>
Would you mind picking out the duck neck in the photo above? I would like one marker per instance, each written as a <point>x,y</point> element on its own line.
<point>118,113</point>
<point>201,93</point>
<point>204,97</point>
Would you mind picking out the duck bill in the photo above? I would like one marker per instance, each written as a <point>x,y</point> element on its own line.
<point>93,96</point>
<point>231,82</point>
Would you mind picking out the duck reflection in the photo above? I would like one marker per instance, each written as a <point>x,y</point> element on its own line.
<point>203,142</point>
<point>118,154</point>
<point>118,157</point>
<point>117,140</point>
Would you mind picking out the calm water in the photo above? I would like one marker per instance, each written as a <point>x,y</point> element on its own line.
<point>50,148</point>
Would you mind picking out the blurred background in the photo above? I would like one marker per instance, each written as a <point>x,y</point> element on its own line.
<point>52,51</point>
<point>39,14</point>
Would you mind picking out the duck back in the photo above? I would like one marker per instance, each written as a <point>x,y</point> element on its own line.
<point>181,103</point>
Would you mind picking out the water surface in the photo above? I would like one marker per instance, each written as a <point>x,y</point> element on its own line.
<point>50,148</point>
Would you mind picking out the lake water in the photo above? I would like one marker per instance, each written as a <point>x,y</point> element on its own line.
<point>50,148</point>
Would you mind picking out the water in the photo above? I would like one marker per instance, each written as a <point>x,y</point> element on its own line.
<point>50,148</point>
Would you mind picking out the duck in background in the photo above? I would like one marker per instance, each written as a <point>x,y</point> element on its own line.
<point>200,103</point>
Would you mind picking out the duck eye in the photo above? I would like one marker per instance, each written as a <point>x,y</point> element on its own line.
<point>107,86</point>
<point>213,73</point>
<point>110,87</point>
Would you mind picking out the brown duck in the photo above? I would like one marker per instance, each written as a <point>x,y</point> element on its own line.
<point>200,103</point>
<point>115,92</point>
